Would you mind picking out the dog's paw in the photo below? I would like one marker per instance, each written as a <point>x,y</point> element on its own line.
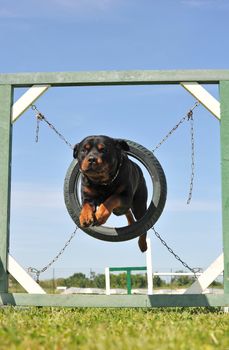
<point>101,215</point>
<point>142,243</point>
<point>87,216</point>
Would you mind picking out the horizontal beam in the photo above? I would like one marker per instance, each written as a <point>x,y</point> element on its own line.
<point>21,299</point>
<point>128,268</point>
<point>177,274</point>
<point>137,77</point>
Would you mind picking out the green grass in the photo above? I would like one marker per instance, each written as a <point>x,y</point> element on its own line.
<point>113,329</point>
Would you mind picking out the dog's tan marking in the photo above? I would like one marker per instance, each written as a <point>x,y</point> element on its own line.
<point>105,209</point>
<point>100,146</point>
<point>99,160</point>
<point>84,164</point>
<point>87,216</point>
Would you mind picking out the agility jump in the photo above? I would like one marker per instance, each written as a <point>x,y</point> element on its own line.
<point>191,80</point>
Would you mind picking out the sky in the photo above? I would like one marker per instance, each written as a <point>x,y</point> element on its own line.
<point>77,35</point>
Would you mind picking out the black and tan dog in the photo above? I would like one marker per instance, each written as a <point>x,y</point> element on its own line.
<point>111,182</point>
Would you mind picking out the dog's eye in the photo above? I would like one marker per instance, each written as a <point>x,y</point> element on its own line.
<point>101,148</point>
<point>86,147</point>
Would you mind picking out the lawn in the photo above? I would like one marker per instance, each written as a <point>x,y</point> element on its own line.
<point>113,329</point>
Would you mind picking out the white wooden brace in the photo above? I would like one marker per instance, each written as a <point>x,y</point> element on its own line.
<point>207,277</point>
<point>23,278</point>
<point>26,100</point>
<point>204,97</point>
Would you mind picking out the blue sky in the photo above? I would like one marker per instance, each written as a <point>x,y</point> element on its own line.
<point>68,35</point>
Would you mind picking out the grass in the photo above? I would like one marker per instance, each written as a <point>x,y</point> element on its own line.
<point>113,329</point>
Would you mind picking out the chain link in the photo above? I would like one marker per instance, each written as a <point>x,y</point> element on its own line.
<point>193,270</point>
<point>38,272</point>
<point>40,117</point>
<point>185,117</point>
<point>189,117</point>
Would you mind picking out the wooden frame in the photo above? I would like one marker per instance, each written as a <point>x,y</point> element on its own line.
<point>7,84</point>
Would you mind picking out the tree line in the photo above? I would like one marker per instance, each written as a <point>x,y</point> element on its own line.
<point>138,281</point>
<point>80,280</point>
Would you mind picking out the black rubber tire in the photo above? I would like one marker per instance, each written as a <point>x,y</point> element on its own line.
<point>125,233</point>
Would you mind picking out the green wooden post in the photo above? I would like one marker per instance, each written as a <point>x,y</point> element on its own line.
<point>224,99</point>
<point>128,281</point>
<point>5,175</point>
<point>128,270</point>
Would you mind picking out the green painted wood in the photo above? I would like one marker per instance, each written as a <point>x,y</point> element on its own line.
<point>224,98</point>
<point>128,281</point>
<point>5,172</point>
<point>113,301</point>
<point>114,77</point>
<point>128,268</point>
<point>96,79</point>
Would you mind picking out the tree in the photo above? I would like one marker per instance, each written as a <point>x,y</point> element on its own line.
<point>157,281</point>
<point>99,281</point>
<point>77,280</point>
<point>182,280</point>
<point>139,280</point>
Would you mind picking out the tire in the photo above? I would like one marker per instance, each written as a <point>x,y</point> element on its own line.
<point>134,230</point>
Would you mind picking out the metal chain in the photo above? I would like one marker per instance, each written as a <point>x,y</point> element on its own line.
<point>185,117</point>
<point>40,117</point>
<point>38,272</point>
<point>189,117</point>
<point>193,270</point>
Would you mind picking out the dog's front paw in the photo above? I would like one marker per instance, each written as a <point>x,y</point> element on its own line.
<point>101,215</point>
<point>87,216</point>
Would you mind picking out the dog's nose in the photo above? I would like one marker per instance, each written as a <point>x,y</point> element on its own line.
<point>92,160</point>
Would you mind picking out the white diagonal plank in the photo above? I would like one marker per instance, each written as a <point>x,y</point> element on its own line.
<point>207,277</point>
<point>26,100</point>
<point>23,278</point>
<point>204,97</point>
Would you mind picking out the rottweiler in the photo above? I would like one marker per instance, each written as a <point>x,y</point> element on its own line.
<point>111,182</point>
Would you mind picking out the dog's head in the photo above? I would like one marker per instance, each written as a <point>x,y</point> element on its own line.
<point>99,156</point>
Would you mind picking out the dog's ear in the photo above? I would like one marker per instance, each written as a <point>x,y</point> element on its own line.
<point>75,150</point>
<point>122,144</point>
